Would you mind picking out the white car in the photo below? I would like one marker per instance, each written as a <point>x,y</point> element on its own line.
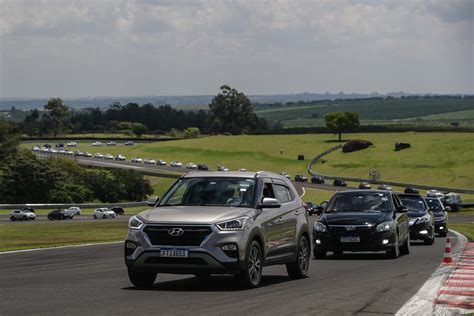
<point>243,170</point>
<point>22,215</point>
<point>129,143</point>
<point>161,162</point>
<point>71,144</point>
<point>35,148</point>
<point>120,157</point>
<point>111,143</point>
<point>74,210</point>
<point>97,144</point>
<point>109,157</point>
<point>151,161</point>
<point>176,164</point>
<point>99,155</point>
<point>137,160</point>
<point>191,165</point>
<point>435,193</point>
<point>104,213</point>
<point>222,168</point>
<point>87,154</point>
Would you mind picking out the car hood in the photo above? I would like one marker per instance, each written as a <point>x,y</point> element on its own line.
<point>355,218</point>
<point>193,214</point>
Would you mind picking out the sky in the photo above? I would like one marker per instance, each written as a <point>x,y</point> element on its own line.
<point>69,48</point>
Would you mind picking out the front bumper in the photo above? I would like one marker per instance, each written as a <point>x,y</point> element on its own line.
<point>441,227</point>
<point>368,242</point>
<point>420,231</point>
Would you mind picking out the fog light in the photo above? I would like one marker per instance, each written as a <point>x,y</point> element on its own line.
<point>229,247</point>
<point>424,232</point>
<point>318,241</point>
<point>130,245</point>
<point>385,241</point>
<point>441,227</point>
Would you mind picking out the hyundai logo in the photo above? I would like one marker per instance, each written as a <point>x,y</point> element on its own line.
<point>350,228</point>
<point>176,231</point>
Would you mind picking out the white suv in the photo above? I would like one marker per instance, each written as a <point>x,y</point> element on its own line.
<point>22,215</point>
<point>104,213</point>
<point>74,210</point>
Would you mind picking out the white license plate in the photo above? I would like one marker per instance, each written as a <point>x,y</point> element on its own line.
<point>350,239</point>
<point>173,253</point>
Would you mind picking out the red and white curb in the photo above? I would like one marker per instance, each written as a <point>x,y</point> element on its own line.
<point>432,296</point>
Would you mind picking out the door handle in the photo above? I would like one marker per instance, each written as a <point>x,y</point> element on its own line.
<point>297,212</point>
<point>280,219</point>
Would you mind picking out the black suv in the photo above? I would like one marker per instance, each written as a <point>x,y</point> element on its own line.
<point>317,180</point>
<point>440,215</point>
<point>118,210</point>
<point>339,183</point>
<point>301,178</point>
<point>202,166</point>
<point>422,224</point>
<point>362,220</point>
<point>57,214</point>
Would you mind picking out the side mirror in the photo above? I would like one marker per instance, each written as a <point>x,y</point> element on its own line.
<point>270,203</point>
<point>402,209</point>
<point>153,202</point>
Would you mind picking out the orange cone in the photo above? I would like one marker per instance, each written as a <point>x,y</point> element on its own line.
<point>448,255</point>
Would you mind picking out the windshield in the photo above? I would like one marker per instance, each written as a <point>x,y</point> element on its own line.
<point>414,204</point>
<point>360,202</point>
<point>435,204</point>
<point>211,191</point>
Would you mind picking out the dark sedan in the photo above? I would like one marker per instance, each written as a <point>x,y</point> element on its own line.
<point>364,185</point>
<point>118,210</point>
<point>440,215</point>
<point>202,166</point>
<point>311,208</point>
<point>362,220</point>
<point>301,178</point>
<point>58,214</point>
<point>317,180</point>
<point>422,224</point>
<point>339,183</point>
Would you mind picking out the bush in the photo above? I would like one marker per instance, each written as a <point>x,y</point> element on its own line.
<point>355,145</point>
<point>192,132</point>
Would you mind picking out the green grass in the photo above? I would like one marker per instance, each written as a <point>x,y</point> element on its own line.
<point>465,229</point>
<point>160,185</point>
<point>317,196</point>
<point>128,210</point>
<point>35,235</point>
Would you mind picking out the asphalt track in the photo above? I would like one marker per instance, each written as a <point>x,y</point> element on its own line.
<point>93,280</point>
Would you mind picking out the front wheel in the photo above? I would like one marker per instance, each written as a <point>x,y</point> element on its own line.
<point>394,252</point>
<point>24,218</point>
<point>251,275</point>
<point>141,278</point>
<point>405,249</point>
<point>95,216</point>
<point>12,218</point>
<point>444,233</point>
<point>300,268</point>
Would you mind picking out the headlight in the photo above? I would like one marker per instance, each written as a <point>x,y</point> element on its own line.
<point>383,227</point>
<point>134,223</point>
<point>424,219</point>
<point>320,227</point>
<point>234,224</point>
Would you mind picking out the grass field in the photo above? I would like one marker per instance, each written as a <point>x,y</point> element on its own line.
<point>160,185</point>
<point>465,229</point>
<point>35,235</point>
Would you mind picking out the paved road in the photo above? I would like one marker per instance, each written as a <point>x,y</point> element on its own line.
<point>42,218</point>
<point>93,280</point>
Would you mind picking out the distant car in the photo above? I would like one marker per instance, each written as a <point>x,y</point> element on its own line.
<point>28,209</point>
<point>47,146</point>
<point>203,166</point>
<point>301,178</point>
<point>98,155</point>
<point>129,143</point>
<point>440,215</point>
<point>137,160</point>
<point>60,145</point>
<point>35,148</point>
<point>22,215</point>
<point>96,144</point>
<point>161,162</point>
<point>385,187</point>
<point>365,185</point>
<point>222,168</point>
<point>118,210</point>
<point>339,183</point>
<point>421,218</point>
<point>87,154</point>
<point>111,143</point>
<point>310,208</point>
<point>150,161</point>
<point>286,175</point>
<point>411,190</point>
<point>317,180</point>
<point>176,164</point>
<point>243,170</point>
<point>59,214</point>
<point>71,144</point>
<point>191,165</point>
<point>453,200</point>
<point>104,213</point>
<point>435,193</point>
<point>74,210</point>
<point>120,157</point>
<point>109,157</point>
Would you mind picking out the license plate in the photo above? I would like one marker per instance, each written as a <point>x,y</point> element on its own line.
<point>350,239</point>
<point>173,253</point>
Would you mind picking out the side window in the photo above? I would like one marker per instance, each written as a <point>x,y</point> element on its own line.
<point>281,193</point>
<point>268,191</point>
<point>396,201</point>
<point>291,196</point>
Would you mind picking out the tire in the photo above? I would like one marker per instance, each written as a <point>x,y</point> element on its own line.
<point>105,216</point>
<point>394,253</point>
<point>429,241</point>
<point>405,249</point>
<point>299,269</point>
<point>24,218</point>
<point>50,218</point>
<point>319,254</point>
<point>12,218</point>
<point>141,279</point>
<point>63,217</point>
<point>95,217</point>
<point>444,233</point>
<point>251,275</point>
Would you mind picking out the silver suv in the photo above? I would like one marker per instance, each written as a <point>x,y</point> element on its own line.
<point>220,223</point>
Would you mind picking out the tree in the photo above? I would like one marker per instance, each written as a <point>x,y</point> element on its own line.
<point>192,132</point>
<point>139,129</point>
<point>57,115</point>
<point>9,140</point>
<point>231,112</point>
<point>339,122</point>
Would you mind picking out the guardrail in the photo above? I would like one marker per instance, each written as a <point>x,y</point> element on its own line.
<point>67,205</point>
<point>393,183</point>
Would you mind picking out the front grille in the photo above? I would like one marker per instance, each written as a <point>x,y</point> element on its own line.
<point>161,260</point>
<point>192,235</point>
<point>354,229</point>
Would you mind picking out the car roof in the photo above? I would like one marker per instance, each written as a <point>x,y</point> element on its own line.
<point>232,174</point>
<point>364,191</point>
<point>409,195</point>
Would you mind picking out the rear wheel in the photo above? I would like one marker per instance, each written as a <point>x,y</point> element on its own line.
<point>24,218</point>
<point>105,216</point>
<point>95,216</point>
<point>299,268</point>
<point>251,275</point>
<point>141,278</point>
<point>12,218</point>
<point>50,218</point>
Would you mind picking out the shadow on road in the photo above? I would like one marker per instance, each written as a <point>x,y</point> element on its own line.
<point>211,284</point>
